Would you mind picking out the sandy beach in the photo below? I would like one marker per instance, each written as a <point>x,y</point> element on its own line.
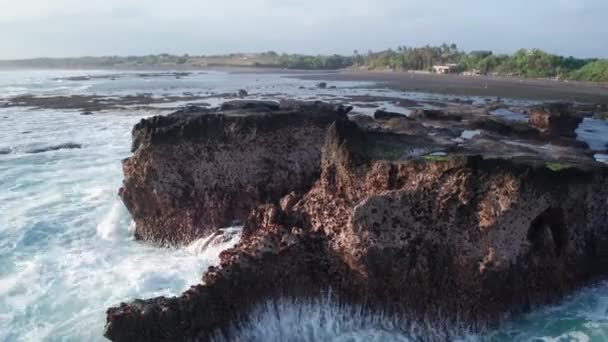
<point>475,86</point>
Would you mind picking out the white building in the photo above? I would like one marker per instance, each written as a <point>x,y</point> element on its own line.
<point>445,69</point>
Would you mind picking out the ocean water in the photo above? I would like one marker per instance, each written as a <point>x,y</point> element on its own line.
<point>67,251</point>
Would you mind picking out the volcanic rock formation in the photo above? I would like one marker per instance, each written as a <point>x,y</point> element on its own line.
<point>462,234</point>
<point>197,170</point>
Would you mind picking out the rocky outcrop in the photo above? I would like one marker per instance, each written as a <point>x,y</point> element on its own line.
<point>383,114</point>
<point>456,236</point>
<point>197,170</point>
<point>435,114</point>
<point>556,119</point>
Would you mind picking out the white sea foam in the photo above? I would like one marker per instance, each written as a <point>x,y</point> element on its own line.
<point>66,246</point>
<point>116,224</point>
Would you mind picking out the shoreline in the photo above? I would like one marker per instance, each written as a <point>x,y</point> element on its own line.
<point>530,89</point>
<point>456,85</point>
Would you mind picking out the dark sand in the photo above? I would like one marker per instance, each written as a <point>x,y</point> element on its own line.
<point>586,92</point>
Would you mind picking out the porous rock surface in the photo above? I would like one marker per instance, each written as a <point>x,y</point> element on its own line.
<point>463,236</point>
<point>198,170</point>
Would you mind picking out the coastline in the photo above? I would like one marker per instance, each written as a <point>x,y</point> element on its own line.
<point>532,89</point>
<point>456,85</point>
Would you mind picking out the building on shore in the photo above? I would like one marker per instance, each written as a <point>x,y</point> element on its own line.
<point>446,69</point>
<point>472,72</point>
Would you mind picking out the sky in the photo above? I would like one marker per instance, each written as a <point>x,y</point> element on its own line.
<point>62,28</point>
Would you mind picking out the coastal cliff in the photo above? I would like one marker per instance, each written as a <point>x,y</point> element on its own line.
<point>462,235</point>
<point>198,170</point>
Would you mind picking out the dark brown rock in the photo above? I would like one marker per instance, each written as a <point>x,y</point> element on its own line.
<point>194,172</point>
<point>434,114</point>
<point>556,119</point>
<point>456,236</point>
<point>383,115</point>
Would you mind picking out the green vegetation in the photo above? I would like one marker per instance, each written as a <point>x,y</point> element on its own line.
<point>435,158</point>
<point>406,58</point>
<point>383,150</point>
<point>557,167</point>
<point>523,63</point>
<point>595,71</point>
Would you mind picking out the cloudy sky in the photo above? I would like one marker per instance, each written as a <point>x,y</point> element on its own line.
<point>31,28</point>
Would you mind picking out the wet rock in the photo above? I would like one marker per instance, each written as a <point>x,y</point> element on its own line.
<point>75,78</point>
<point>4,150</point>
<point>66,146</point>
<point>314,106</point>
<point>511,129</point>
<point>242,93</point>
<point>251,105</point>
<point>382,114</point>
<point>86,113</point>
<point>601,115</point>
<point>461,101</point>
<point>452,236</point>
<point>556,119</point>
<point>196,171</point>
<point>191,109</point>
<point>406,103</point>
<point>322,85</point>
<point>433,114</point>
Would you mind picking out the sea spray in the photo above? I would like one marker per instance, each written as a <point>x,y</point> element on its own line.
<point>117,224</point>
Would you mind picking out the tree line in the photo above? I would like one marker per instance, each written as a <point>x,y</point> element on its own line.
<point>532,63</point>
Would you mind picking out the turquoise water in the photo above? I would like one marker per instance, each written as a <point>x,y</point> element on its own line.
<point>66,246</point>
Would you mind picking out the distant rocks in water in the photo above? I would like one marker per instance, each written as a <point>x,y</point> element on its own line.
<point>251,105</point>
<point>461,101</point>
<point>406,103</point>
<point>556,119</point>
<point>75,78</point>
<point>191,109</point>
<point>65,146</point>
<point>434,114</point>
<point>601,115</point>
<point>113,77</point>
<point>86,113</point>
<point>242,93</point>
<point>5,150</point>
<point>322,85</point>
<point>95,103</point>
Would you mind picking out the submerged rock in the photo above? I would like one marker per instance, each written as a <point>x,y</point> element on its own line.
<point>556,119</point>
<point>456,235</point>
<point>66,146</point>
<point>382,114</point>
<point>434,114</point>
<point>192,173</point>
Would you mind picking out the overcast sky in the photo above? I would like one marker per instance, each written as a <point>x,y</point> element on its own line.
<point>32,28</point>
